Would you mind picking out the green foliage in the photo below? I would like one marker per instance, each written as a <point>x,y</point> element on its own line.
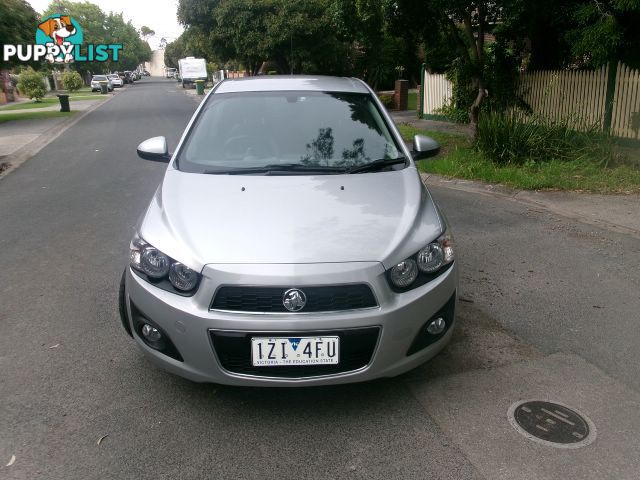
<point>552,34</point>
<point>322,36</point>
<point>134,52</point>
<point>31,84</point>
<point>293,34</point>
<point>146,32</point>
<point>459,159</point>
<point>500,73</point>
<point>515,138</point>
<point>554,174</point>
<point>387,100</point>
<point>17,23</point>
<point>598,33</point>
<point>98,27</point>
<point>190,44</point>
<point>72,81</point>
<point>9,117</point>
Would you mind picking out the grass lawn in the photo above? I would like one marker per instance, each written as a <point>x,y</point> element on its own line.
<point>33,115</point>
<point>48,101</point>
<point>412,101</point>
<point>85,89</point>
<point>459,159</point>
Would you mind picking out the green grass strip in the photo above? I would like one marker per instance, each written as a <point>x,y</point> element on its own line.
<point>33,115</point>
<point>459,159</point>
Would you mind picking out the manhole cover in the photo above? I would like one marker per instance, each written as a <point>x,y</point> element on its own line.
<point>552,423</point>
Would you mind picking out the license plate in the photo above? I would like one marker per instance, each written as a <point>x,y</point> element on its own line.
<point>278,351</point>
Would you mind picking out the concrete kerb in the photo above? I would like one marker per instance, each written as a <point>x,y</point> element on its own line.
<point>611,212</point>
<point>32,148</point>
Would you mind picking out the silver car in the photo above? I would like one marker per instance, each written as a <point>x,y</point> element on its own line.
<point>115,80</point>
<point>97,79</point>
<point>291,241</point>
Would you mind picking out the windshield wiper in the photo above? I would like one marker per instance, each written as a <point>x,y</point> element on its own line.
<point>277,167</point>
<point>377,165</point>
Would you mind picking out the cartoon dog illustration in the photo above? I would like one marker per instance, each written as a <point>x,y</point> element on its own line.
<point>59,29</point>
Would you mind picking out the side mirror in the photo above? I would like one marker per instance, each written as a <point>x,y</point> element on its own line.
<point>424,147</point>
<point>154,149</point>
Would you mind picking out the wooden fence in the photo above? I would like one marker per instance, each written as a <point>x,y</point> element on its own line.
<point>609,100</point>
<point>625,115</point>
<point>436,93</point>
<point>557,95</point>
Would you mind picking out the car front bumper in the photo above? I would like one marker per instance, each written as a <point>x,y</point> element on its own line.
<point>189,323</point>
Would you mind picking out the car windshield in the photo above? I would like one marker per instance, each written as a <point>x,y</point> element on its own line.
<point>99,78</point>
<point>283,129</point>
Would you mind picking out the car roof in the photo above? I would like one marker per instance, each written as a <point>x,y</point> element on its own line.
<point>270,83</point>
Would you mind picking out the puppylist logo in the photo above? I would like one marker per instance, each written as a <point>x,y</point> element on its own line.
<point>59,39</point>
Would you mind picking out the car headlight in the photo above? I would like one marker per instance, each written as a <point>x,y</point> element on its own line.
<point>154,263</point>
<point>424,266</point>
<point>160,269</point>
<point>182,277</point>
<point>404,273</point>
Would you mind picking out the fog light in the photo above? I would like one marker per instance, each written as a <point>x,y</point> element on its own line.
<point>437,326</point>
<point>150,333</point>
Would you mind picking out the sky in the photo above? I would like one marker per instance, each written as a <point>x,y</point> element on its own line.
<point>158,15</point>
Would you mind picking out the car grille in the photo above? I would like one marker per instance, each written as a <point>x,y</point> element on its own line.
<point>356,349</point>
<point>269,299</point>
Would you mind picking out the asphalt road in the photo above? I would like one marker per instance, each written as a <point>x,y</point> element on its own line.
<point>560,285</point>
<point>534,284</point>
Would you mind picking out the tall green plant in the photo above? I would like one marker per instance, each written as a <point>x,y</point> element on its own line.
<point>31,84</point>
<point>516,138</point>
<point>72,81</point>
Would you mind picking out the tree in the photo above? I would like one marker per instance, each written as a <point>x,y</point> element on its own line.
<point>462,24</point>
<point>92,20</point>
<point>98,28</point>
<point>146,32</point>
<point>18,21</point>
<point>31,84</point>
<point>135,50</point>
<point>467,22</point>
<point>296,35</point>
<point>72,81</point>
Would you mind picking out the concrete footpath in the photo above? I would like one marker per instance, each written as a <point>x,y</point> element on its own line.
<point>619,213</point>
<point>21,139</point>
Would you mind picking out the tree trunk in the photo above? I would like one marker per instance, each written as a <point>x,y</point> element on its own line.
<point>474,112</point>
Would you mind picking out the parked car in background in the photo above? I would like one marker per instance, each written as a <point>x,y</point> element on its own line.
<point>226,285</point>
<point>171,73</point>
<point>116,80</point>
<point>146,74</point>
<point>192,69</point>
<point>127,77</point>
<point>95,83</point>
<point>131,75</point>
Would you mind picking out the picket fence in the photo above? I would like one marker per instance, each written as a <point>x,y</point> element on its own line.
<point>586,97</point>
<point>437,92</point>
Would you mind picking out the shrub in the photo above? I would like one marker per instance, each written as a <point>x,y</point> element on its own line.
<point>517,138</point>
<point>387,100</point>
<point>72,81</point>
<point>31,84</point>
<point>457,115</point>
